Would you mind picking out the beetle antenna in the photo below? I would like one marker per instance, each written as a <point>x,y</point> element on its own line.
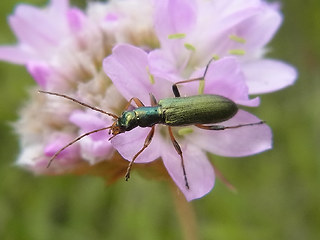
<point>74,141</point>
<point>81,103</point>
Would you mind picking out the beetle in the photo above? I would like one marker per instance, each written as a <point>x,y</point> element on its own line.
<point>197,110</point>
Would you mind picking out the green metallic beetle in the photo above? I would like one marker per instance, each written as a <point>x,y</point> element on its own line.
<point>178,111</point>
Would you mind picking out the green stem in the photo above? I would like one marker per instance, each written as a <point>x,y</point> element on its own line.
<point>185,214</point>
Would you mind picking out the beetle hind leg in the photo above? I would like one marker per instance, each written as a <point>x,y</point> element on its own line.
<point>221,127</point>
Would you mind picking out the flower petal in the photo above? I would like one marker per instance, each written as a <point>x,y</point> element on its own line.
<point>224,77</point>
<point>95,147</point>
<point>163,65</point>
<point>59,6</point>
<point>174,16</point>
<point>90,122</point>
<point>76,19</point>
<point>238,142</point>
<point>67,156</point>
<point>219,20</point>
<point>199,170</point>
<point>42,35</point>
<point>268,75</point>
<point>256,27</point>
<point>174,21</point>
<point>17,54</point>
<point>95,151</point>
<point>40,71</point>
<point>130,143</point>
<point>260,29</point>
<point>128,68</point>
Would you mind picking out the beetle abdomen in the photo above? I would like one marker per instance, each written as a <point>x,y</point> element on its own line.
<point>199,109</point>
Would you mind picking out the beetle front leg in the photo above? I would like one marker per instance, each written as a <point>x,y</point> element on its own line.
<point>145,145</point>
<point>137,101</point>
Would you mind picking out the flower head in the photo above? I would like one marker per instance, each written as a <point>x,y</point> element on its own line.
<point>165,42</point>
<point>190,34</point>
<point>224,78</point>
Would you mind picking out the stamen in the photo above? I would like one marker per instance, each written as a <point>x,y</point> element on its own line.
<point>185,131</point>
<point>201,87</point>
<point>177,36</point>
<point>190,47</point>
<point>215,57</point>
<point>151,77</point>
<point>237,39</point>
<point>239,52</point>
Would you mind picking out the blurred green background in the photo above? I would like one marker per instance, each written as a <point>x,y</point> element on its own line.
<point>278,191</point>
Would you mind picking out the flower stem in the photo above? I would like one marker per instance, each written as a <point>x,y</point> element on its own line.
<point>185,214</point>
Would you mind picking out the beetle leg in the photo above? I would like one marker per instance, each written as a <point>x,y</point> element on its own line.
<point>221,127</point>
<point>175,88</point>
<point>137,101</point>
<point>179,151</point>
<point>147,141</point>
<point>153,100</point>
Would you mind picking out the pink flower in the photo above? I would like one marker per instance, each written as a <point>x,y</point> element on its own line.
<point>95,147</point>
<point>190,34</point>
<point>169,40</point>
<point>127,67</point>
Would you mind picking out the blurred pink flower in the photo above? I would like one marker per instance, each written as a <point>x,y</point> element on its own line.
<point>192,32</point>
<point>63,52</point>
